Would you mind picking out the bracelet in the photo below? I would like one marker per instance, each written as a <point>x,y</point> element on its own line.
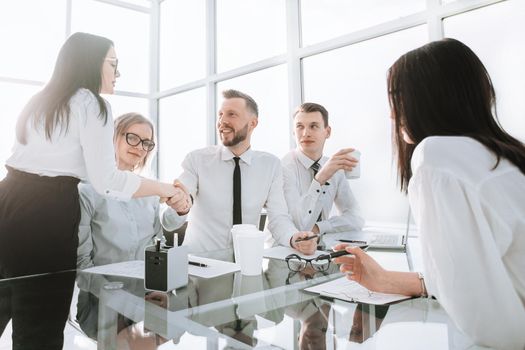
<point>424,293</point>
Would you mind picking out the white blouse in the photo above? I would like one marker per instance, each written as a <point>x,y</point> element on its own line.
<point>472,223</point>
<point>113,231</point>
<point>85,151</point>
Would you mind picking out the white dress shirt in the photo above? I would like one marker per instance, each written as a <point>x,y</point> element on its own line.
<point>306,197</point>
<point>208,175</point>
<point>472,224</point>
<point>85,151</point>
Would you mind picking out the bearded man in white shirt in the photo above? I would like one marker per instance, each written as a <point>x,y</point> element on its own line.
<point>209,176</point>
<point>313,183</point>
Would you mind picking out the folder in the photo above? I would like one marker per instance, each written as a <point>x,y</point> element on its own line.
<point>347,290</point>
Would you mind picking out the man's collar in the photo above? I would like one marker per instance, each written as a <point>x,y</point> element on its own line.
<point>306,161</point>
<point>246,157</point>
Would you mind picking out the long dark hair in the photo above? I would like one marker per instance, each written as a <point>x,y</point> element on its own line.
<point>443,89</point>
<point>79,65</point>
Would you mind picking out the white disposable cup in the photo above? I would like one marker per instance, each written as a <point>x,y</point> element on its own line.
<point>241,228</point>
<point>250,247</point>
<point>355,173</point>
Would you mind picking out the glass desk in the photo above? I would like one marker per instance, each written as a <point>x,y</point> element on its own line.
<point>269,311</point>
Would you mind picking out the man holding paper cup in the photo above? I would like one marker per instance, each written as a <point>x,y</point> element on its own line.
<point>313,183</point>
<point>231,183</point>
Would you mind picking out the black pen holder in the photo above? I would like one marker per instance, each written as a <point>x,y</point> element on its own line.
<point>166,268</point>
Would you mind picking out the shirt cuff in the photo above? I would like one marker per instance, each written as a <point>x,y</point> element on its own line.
<point>171,220</point>
<point>130,187</point>
<point>287,242</point>
<point>315,188</point>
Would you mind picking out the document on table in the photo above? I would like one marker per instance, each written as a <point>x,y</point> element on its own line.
<point>345,289</point>
<point>281,252</point>
<point>135,268</point>
<point>213,267</point>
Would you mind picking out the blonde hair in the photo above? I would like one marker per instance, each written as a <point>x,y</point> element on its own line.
<point>122,124</point>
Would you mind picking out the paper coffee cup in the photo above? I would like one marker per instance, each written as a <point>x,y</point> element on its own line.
<point>355,173</point>
<point>238,229</point>
<point>250,247</point>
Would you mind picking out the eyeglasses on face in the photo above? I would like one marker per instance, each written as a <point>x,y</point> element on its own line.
<point>296,263</point>
<point>134,139</point>
<point>114,63</point>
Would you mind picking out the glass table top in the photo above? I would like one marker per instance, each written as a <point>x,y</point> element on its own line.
<point>232,311</point>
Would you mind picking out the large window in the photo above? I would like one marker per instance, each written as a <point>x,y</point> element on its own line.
<point>327,19</point>
<point>496,34</point>
<point>249,31</point>
<point>175,57</point>
<point>182,42</point>
<point>128,29</point>
<point>15,96</point>
<point>182,128</point>
<point>359,114</point>
<point>29,40</point>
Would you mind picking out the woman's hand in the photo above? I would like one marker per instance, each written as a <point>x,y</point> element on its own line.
<point>362,268</point>
<point>166,191</point>
<point>181,201</point>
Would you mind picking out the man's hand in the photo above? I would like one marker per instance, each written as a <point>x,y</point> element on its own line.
<point>181,202</point>
<point>306,247</point>
<point>340,160</point>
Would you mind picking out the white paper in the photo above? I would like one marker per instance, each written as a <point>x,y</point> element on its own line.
<point>215,267</point>
<point>345,289</point>
<point>281,252</point>
<point>135,268</point>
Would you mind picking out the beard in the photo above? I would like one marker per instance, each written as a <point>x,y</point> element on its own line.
<point>238,137</point>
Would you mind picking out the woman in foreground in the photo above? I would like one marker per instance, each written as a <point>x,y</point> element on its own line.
<point>465,178</point>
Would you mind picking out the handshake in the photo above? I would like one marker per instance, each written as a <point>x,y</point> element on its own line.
<point>178,199</point>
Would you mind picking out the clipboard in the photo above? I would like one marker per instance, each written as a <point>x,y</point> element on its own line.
<point>347,290</point>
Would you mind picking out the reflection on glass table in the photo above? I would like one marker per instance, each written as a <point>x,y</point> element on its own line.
<point>271,310</point>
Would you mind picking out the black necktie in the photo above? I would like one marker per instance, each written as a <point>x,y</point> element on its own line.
<point>315,167</point>
<point>237,214</point>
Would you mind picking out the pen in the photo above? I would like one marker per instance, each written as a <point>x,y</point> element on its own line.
<point>351,241</point>
<point>306,238</point>
<point>338,254</point>
<point>194,263</point>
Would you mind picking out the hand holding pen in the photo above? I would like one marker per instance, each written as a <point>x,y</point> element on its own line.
<point>307,238</point>
<point>360,267</point>
<point>304,242</point>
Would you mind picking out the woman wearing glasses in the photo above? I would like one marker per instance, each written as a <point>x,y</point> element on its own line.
<point>64,135</point>
<point>465,178</point>
<point>112,231</point>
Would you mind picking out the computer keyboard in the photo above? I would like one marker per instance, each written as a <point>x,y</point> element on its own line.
<point>384,239</point>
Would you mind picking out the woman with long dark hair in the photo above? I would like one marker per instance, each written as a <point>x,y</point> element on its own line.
<point>465,177</point>
<point>64,135</point>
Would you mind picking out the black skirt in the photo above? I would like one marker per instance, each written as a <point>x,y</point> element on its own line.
<point>39,219</point>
